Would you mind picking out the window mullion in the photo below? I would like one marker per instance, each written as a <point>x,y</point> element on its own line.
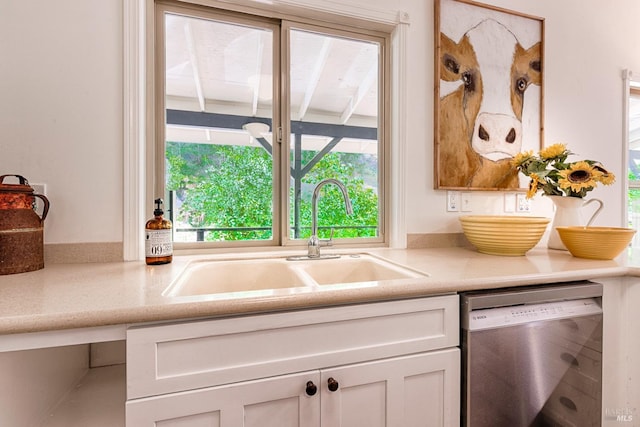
<point>286,169</point>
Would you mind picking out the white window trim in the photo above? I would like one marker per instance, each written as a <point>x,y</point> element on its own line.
<point>628,76</point>
<point>135,111</point>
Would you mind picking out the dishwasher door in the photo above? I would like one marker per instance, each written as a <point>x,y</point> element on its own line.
<point>532,356</point>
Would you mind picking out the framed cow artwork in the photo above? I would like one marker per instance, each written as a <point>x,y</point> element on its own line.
<point>488,94</point>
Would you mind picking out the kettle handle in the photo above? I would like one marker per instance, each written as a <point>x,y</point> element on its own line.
<point>45,210</point>
<point>22,179</point>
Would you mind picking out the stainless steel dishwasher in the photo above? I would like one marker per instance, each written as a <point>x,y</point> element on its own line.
<point>532,356</point>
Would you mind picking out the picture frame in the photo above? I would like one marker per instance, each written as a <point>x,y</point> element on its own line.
<point>489,86</point>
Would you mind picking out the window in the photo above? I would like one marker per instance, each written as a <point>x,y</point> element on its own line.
<point>634,158</point>
<point>255,112</point>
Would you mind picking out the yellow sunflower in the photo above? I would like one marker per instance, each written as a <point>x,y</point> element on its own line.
<point>552,151</point>
<point>607,178</point>
<point>579,176</point>
<point>534,184</point>
<point>521,158</point>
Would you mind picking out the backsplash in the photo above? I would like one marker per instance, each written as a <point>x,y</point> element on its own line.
<point>66,253</point>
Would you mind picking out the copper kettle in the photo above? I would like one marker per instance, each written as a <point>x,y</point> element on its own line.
<point>21,228</point>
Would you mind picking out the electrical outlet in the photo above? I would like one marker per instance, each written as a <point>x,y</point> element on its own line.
<point>39,189</point>
<point>522,203</point>
<point>465,201</point>
<point>509,202</point>
<point>453,201</point>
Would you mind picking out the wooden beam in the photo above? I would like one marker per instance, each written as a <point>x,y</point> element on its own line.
<point>230,121</point>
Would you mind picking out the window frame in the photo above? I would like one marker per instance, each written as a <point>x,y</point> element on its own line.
<point>138,97</point>
<point>383,126</point>
<point>159,142</point>
<point>281,115</point>
<point>632,90</point>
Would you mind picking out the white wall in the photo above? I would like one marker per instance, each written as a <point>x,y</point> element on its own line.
<point>61,104</point>
<point>61,111</point>
<point>35,380</point>
<point>587,45</point>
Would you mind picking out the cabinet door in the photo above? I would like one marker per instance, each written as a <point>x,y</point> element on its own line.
<point>274,402</point>
<point>411,391</point>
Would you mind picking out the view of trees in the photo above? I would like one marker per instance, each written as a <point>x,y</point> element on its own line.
<point>633,199</point>
<point>228,190</point>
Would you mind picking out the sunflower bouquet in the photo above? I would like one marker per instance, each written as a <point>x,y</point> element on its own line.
<point>551,174</point>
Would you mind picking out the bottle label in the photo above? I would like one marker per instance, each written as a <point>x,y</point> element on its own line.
<point>158,243</point>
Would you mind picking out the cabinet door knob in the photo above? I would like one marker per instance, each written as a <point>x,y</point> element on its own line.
<point>333,384</point>
<point>311,388</point>
<point>569,358</point>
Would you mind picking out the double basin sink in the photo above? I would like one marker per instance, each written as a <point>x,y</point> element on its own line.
<point>265,276</point>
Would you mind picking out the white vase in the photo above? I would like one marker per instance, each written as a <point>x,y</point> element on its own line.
<point>568,213</point>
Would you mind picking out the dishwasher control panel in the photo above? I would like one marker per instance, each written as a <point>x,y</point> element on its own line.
<point>525,313</point>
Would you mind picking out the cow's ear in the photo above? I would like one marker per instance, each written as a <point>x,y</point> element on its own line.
<point>449,63</point>
<point>534,59</point>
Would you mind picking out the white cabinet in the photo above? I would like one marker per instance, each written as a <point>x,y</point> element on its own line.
<point>272,402</point>
<point>417,390</point>
<point>381,364</point>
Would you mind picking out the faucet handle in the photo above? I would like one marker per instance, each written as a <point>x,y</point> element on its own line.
<point>329,241</point>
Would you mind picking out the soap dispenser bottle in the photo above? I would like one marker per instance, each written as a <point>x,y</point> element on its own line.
<point>158,239</point>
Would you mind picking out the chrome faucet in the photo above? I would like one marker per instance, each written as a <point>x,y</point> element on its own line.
<point>314,242</point>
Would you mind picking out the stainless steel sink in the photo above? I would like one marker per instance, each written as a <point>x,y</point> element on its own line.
<point>268,275</point>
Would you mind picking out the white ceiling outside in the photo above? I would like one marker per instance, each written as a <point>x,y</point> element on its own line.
<point>226,68</point>
<point>634,122</point>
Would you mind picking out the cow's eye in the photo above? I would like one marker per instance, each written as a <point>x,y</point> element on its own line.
<point>467,79</point>
<point>451,64</point>
<point>521,84</point>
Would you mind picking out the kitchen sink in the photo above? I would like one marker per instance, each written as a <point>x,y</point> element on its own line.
<point>214,277</point>
<point>352,269</point>
<point>260,276</point>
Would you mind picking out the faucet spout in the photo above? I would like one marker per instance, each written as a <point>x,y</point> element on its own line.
<point>314,242</point>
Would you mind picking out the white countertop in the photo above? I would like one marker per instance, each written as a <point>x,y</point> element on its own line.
<point>66,296</point>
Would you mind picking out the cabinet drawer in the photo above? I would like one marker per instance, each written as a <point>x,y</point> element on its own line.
<point>183,356</point>
<point>567,356</point>
<point>570,407</point>
<point>586,331</point>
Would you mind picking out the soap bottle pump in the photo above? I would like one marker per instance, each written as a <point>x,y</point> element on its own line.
<point>158,239</point>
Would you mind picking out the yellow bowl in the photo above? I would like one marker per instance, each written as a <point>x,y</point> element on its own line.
<point>503,235</point>
<point>595,242</point>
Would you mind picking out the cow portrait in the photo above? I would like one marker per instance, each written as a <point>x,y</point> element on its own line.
<point>485,75</point>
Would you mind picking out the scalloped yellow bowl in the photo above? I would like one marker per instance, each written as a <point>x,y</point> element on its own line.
<point>503,235</point>
<point>595,242</point>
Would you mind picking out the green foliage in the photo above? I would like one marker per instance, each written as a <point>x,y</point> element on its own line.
<point>634,193</point>
<point>230,188</point>
<point>633,196</point>
<point>222,187</point>
<point>350,169</point>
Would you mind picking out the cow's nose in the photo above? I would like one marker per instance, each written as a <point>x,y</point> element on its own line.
<point>496,136</point>
<point>483,134</point>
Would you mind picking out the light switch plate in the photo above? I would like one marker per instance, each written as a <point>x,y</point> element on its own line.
<point>509,202</point>
<point>465,201</point>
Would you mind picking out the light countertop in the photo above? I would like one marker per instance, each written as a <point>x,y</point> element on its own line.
<point>66,296</point>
